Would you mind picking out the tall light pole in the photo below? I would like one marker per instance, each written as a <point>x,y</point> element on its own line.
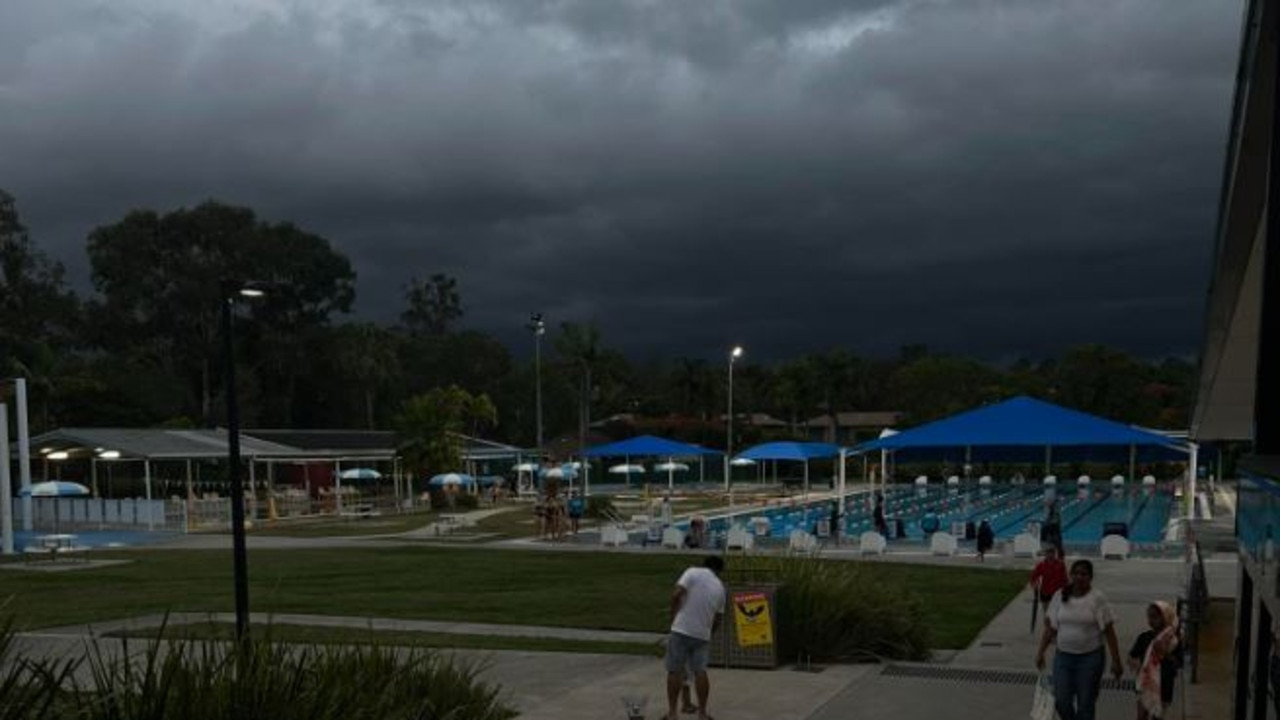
<point>539,329</point>
<point>734,354</point>
<point>231,291</point>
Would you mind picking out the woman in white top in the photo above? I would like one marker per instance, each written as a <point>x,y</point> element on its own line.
<point>1079,619</point>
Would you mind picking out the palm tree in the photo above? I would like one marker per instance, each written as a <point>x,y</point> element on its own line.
<point>367,354</point>
<point>579,346</point>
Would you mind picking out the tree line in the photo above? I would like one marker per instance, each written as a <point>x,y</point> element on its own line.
<point>144,349</point>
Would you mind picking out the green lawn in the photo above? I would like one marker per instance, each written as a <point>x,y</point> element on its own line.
<point>580,589</point>
<point>330,526</point>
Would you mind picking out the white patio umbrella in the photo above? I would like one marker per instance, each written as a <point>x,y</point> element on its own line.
<point>526,467</point>
<point>626,469</point>
<point>455,479</point>
<point>360,474</point>
<point>671,467</point>
<point>55,489</point>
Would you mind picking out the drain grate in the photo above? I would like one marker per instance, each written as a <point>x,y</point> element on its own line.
<point>973,675</point>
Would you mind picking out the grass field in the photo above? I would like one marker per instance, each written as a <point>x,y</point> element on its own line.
<point>587,590</point>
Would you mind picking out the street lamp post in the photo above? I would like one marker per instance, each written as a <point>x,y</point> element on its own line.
<point>232,290</point>
<point>728,451</point>
<point>539,328</point>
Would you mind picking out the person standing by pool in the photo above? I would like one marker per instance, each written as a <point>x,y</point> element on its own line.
<point>986,540</point>
<point>577,506</point>
<point>697,607</point>
<point>1079,621</point>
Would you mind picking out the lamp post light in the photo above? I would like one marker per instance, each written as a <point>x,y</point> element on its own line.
<point>539,329</point>
<point>728,451</point>
<point>231,291</point>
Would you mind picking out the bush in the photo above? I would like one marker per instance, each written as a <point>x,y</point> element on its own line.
<point>259,678</point>
<point>29,689</point>
<point>600,506</point>
<point>466,501</point>
<point>841,610</point>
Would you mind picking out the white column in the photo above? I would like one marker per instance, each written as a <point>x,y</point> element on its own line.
<point>1192,468</point>
<point>146,477</point>
<point>6,486</point>
<point>24,452</point>
<point>191,496</point>
<point>840,489</point>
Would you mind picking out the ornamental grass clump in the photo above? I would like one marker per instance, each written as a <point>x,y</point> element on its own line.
<point>842,611</point>
<point>29,689</point>
<point>267,680</point>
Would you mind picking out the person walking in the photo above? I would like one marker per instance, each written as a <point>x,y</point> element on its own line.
<point>577,507</point>
<point>697,608</point>
<point>986,540</point>
<point>1079,621</point>
<point>1048,576</point>
<point>1155,662</point>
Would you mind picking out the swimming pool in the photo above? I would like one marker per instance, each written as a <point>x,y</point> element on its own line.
<point>96,538</point>
<point>1086,511</point>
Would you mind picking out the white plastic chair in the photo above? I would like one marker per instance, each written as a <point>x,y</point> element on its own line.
<point>1148,480</point>
<point>1117,480</point>
<point>738,539</point>
<point>673,538</point>
<point>612,535</point>
<point>1026,545</point>
<point>1114,546</point>
<point>1083,480</point>
<point>942,543</point>
<point>801,541</point>
<point>1050,479</point>
<point>871,543</point>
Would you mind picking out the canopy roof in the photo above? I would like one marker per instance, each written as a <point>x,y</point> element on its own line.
<point>1020,423</point>
<point>790,451</point>
<point>643,445</point>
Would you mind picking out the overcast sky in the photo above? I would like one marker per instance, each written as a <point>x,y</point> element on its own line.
<point>992,177</point>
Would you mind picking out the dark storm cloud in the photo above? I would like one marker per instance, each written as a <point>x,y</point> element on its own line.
<point>995,177</point>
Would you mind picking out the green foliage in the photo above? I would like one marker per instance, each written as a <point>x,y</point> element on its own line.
<point>600,506</point>
<point>262,678</point>
<point>29,689</point>
<point>430,423</point>
<point>842,610</point>
<point>160,277</point>
<point>433,305</point>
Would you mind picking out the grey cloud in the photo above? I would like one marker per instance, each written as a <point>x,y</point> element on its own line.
<point>991,176</point>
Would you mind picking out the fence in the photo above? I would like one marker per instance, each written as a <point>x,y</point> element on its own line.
<point>89,513</point>
<point>1193,609</point>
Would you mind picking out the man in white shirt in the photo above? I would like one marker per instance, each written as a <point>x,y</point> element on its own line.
<point>697,607</point>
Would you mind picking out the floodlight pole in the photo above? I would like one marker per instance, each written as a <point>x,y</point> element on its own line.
<point>240,569</point>
<point>728,451</point>
<point>539,328</point>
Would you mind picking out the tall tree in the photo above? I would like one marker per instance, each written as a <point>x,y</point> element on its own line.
<point>367,356</point>
<point>38,315</point>
<point>160,278</point>
<point>579,347</point>
<point>434,305</point>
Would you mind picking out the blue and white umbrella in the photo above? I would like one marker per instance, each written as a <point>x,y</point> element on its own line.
<point>451,479</point>
<point>55,488</point>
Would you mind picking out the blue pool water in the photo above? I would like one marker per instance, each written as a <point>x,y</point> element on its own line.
<point>1009,508</point>
<point>97,538</point>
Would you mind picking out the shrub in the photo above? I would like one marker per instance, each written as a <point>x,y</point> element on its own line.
<point>466,501</point>
<point>833,610</point>
<point>30,689</point>
<point>600,506</point>
<point>260,678</point>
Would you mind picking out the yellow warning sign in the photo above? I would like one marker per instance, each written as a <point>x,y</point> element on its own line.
<point>751,614</point>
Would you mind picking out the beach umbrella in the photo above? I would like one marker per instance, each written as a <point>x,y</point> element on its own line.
<point>526,467</point>
<point>626,469</point>
<point>360,474</point>
<point>55,488</point>
<point>742,462</point>
<point>669,467</point>
<point>455,479</point>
